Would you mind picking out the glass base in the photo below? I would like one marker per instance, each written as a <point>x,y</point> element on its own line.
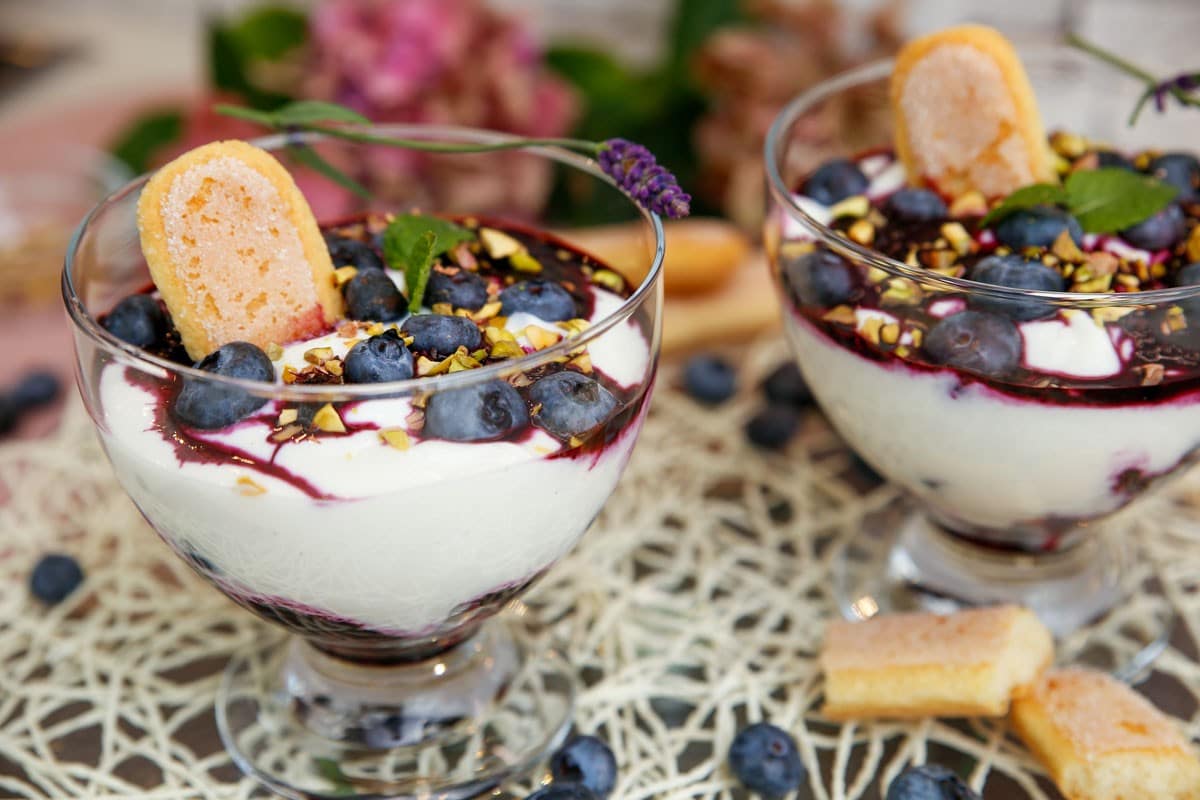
<point>1100,603</point>
<point>309,725</point>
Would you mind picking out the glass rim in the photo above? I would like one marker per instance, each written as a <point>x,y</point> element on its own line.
<point>876,70</point>
<point>136,356</point>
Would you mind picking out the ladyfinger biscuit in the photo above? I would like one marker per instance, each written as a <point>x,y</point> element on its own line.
<point>234,249</point>
<point>965,115</point>
<point>1101,740</point>
<point>702,254</point>
<point>919,665</point>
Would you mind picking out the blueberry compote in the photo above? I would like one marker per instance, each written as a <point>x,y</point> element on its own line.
<point>478,488</point>
<point>1014,416</point>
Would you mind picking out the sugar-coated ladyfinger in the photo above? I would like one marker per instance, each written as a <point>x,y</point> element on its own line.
<point>234,249</point>
<point>923,665</point>
<point>965,114</point>
<point>1101,740</point>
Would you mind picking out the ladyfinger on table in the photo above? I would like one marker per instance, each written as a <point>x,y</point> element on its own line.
<point>966,116</point>
<point>1101,740</point>
<point>234,249</point>
<point>919,665</point>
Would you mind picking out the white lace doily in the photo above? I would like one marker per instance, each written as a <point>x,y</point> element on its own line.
<point>694,605</point>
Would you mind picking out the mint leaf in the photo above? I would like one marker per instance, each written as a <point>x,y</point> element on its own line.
<point>403,232</point>
<point>264,118</point>
<point>305,155</point>
<point>416,271</point>
<point>1112,199</point>
<point>1038,194</point>
<point>307,112</point>
<point>146,136</point>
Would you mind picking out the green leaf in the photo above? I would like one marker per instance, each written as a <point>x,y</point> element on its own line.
<point>416,270</point>
<point>405,230</point>
<point>1038,194</point>
<point>693,23</point>
<point>231,51</point>
<point>1112,199</point>
<point>148,134</point>
<point>270,32</point>
<point>264,118</point>
<point>309,112</point>
<point>329,769</point>
<point>305,155</point>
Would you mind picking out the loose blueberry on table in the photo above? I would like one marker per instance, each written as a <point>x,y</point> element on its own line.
<point>709,379</point>
<point>929,782</point>
<point>54,578</point>
<point>765,760</point>
<point>587,761</point>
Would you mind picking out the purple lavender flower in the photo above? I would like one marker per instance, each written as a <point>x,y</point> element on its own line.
<point>1187,82</point>
<point>636,171</point>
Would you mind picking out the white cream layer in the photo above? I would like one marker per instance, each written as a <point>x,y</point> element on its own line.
<point>415,534</point>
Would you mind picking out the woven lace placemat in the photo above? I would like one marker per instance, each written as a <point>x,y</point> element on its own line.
<point>694,606</point>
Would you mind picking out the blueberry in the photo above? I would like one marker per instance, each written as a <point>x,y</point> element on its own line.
<point>976,341</point>
<point>208,405</point>
<point>379,359</point>
<point>346,252</point>
<point>138,320</point>
<point>588,762</point>
<point>371,295</point>
<point>54,577</point>
<point>10,413</point>
<point>821,278</point>
<point>563,791</point>
<point>571,403</point>
<point>929,782</point>
<point>764,758</point>
<point>1188,275</point>
<point>1159,232</point>
<point>786,386</point>
<point>1181,170</point>
<point>916,205</point>
<point>463,289</point>
<point>1016,272</point>
<point>438,335</point>
<point>835,180</point>
<point>485,412</point>
<point>709,379</point>
<point>1037,227</point>
<point>1111,158</point>
<point>37,389</point>
<point>773,427</point>
<point>546,300</point>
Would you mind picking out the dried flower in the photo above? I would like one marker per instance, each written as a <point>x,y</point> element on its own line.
<point>636,171</point>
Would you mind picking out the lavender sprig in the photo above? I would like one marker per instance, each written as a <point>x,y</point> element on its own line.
<point>1181,88</point>
<point>631,166</point>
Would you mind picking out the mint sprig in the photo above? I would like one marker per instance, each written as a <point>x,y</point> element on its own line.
<point>412,242</point>
<point>1103,200</point>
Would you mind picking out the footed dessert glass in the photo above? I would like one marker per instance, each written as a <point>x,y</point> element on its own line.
<point>1015,464</point>
<point>386,564</point>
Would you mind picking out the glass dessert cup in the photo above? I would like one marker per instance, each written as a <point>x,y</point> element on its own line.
<point>386,568</point>
<point>1013,481</point>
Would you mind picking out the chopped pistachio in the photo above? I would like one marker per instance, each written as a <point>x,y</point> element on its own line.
<point>503,349</point>
<point>1176,321</point>
<point>902,291</point>
<point>274,351</point>
<point>855,206</point>
<point>1193,244</point>
<point>958,237</point>
<point>1152,374</point>
<point>498,243</point>
<point>890,333</point>
<point>938,259</point>
<point>521,261</point>
<point>488,311</point>
<point>462,360</point>
<point>969,204</point>
<point>540,338</point>
<point>862,232</point>
<point>333,366</point>
<point>1102,283</point>
<point>843,315</point>
<point>574,327</point>
<point>287,416</point>
<point>1129,281</point>
<point>327,419</point>
<point>1110,313</point>
<point>1065,248</point>
<point>480,354</point>
<point>343,275</point>
<point>493,335</point>
<point>318,355</point>
<point>286,432</point>
<point>609,280</point>
<point>248,487</point>
<point>877,275</point>
<point>442,308</point>
<point>1070,145</point>
<point>289,374</point>
<point>375,328</point>
<point>794,250</point>
<point>1100,263</point>
<point>916,336</point>
<point>395,437</point>
<point>582,362</point>
<point>870,329</point>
